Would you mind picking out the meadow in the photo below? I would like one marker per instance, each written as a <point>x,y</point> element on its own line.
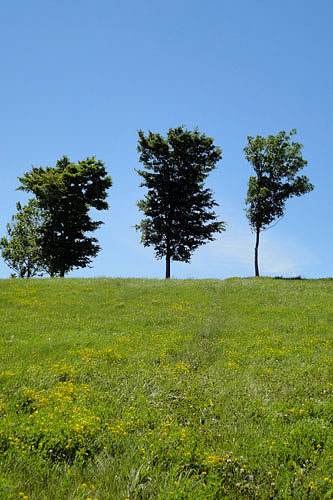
<point>114,389</point>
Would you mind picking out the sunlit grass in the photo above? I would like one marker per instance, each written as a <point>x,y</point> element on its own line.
<point>140,389</point>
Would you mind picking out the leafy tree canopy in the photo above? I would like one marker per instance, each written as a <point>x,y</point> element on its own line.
<point>21,248</point>
<point>66,193</point>
<point>276,161</point>
<point>177,207</point>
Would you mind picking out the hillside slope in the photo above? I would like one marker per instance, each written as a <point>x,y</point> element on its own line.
<point>117,389</point>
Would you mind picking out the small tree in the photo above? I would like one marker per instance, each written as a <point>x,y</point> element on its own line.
<point>66,193</point>
<point>276,161</point>
<point>177,207</point>
<point>21,248</point>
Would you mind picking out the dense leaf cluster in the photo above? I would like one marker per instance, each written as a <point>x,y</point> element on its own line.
<point>64,195</point>
<point>276,162</point>
<point>178,209</point>
<point>21,248</point>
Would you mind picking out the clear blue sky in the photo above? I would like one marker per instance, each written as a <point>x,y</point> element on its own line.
<point>80,78</point>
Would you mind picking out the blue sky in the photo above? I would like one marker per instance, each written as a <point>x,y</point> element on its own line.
<point>81,77</point>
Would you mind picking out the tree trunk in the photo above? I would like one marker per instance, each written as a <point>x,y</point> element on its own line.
<point>256,266</point>
<point>62,273</point>
<point>167,258</point>
<point>167,266</point>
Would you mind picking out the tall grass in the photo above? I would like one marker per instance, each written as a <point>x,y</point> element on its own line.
<point>141,389</point>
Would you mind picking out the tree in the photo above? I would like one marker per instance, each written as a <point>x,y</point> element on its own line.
<point>20,249</point>
<point>65,193</point>
<point>178,208</point>
<point>276,161</point>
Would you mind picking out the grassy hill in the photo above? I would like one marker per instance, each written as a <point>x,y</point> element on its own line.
<point>117,389</point>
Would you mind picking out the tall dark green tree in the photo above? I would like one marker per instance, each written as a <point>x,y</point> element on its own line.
<point>276,161</point>
<point>20,249</point>
<point>66,193</point>
<point>178,209</point>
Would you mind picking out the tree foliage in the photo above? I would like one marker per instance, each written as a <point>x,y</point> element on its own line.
<point>65,193</point>
<point>178,209</point>
<point>21,248</point>
<point>276,161</point>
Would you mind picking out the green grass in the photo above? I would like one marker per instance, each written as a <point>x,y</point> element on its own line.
<point>117,389</point>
